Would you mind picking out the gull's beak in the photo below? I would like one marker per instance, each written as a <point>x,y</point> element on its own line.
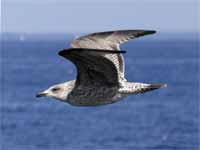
<point>41,94</point>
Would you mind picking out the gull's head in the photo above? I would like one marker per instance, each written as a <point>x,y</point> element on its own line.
<point>58,91</point>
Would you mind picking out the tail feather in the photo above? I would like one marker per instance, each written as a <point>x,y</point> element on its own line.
<point>134,88</point>
<point>150,87</point>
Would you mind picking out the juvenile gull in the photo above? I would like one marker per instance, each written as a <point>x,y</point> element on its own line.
<point>100,70</point>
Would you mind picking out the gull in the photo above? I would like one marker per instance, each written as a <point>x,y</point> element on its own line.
<point>100,70</point>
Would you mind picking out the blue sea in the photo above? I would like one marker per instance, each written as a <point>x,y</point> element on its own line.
<point>164,119</point>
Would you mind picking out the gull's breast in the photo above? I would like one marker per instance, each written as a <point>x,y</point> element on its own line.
<point>93,96</point>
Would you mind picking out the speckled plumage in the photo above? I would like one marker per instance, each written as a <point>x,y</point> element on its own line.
<point>110,40</point>
<point>100,70</point>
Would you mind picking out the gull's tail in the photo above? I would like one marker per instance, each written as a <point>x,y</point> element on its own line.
<point>149,87</point>
<point>134,88</point>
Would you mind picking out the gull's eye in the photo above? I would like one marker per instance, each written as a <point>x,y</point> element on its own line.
<point>55,89</point>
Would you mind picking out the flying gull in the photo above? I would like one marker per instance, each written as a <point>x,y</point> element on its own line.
<point>100,70</point>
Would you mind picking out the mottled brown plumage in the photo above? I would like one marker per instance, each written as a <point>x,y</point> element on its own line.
<point>100,70</point>
<point>110,40</point>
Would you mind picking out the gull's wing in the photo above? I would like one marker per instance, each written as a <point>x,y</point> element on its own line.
<point>110,40</point>
<point>93,67</point>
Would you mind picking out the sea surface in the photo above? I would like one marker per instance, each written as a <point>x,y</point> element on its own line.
<point>164,119</point>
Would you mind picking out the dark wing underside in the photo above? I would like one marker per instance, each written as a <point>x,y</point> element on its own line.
<point>110,40</point>
<point>92,67</point>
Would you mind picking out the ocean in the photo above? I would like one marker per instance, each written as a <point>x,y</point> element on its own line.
<point>164,119</point>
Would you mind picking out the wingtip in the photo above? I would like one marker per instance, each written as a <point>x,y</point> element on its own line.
<point>62,52</point>
<point>150,32</point>
<point>122,52</point>
<point>145,32</point>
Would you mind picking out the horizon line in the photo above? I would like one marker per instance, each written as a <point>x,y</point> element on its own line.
<point>157,32</point>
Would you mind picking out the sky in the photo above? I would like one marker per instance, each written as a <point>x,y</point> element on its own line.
<point>73,16</point>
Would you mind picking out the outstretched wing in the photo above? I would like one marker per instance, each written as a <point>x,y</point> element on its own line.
<point>110,40</point>
<point>93,67</point>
